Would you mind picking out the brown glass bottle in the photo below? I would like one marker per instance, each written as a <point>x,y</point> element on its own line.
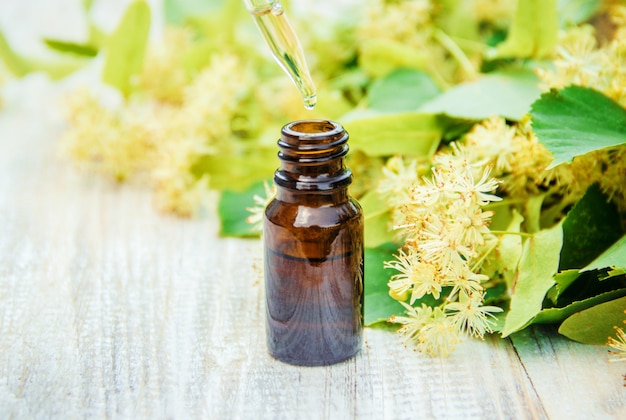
<point>313,233</point>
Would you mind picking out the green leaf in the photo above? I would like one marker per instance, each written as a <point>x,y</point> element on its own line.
<point>87,4</point>
<point>379,57</point>
<point>563,280</point>
<point>412,134</point>
<point>126,47</point>
<point>97,38</point>
<point>614,257</point>
<point>532,213</point>
<point>232,210</point>
<point>557,315</point>
<point>596,324</point>
<point>16,64</point>
<point>587,285</point>
<point>508,94</point>
<point>504,259</point>
<point>402,90</point>
<point>20,66</point>
<point>592,226</point>
<point>71,47</point>
<point>377,220</point>
<point>537,266</point>
<point>613,273</point>
<point>577,120</point>
<point>378,304</point>
<point>177,11</point>
<point>237,172</point>
<point>457,18</point>
<point>574,12</point>
<point>534,31</point>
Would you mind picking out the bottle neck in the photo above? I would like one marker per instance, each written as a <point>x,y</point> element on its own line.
<point>312,162</point>
<point>313,198</point>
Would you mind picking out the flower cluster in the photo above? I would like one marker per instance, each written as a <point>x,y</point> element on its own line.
<point>397,34</point>
<point>518,159</point>
<point>446,239</point>
<point>580,60</point>
<point>160,134</point>
<point>521,162</point>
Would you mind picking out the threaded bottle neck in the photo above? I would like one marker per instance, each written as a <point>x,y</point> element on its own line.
<point>311,155</point>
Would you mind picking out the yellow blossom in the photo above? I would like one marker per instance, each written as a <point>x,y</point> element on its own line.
<point>444,226</point>
<point>400,21</point>
<point>618,345</point>
<point>419,278</point>
<point>164,76</point>
<point>260,203</point>
<point>176,189</point>
<point>581,61</point>
<point>412,24</point>
<point>397,178</point>
<point>470,316</point>
<point>428,328</point>
<point>439,335</point>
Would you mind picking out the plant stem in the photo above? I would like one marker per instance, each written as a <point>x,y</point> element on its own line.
<point>376,214</point>
<point>482,257</point>
<point>452,47</point>
<point>504,232</point>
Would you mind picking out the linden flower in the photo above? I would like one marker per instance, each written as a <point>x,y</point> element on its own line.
<point>618,346</point>
<point>164,76</point>
<point>516,157</point>
<point>399,20</point>
<point>258,209</point>
<point>445,227</point>
<point>211,101</point>
<point>439,335</point>
<point>419,277</point>
<point>577,61</point>
<point>176,188</point>
<point>470,316</point>
<point>397,178</point>
<point>440,245</point>
<point>491,140</point>
<point>413,323</point>
<point>464,280</point>
<point>429,329</point>
<point>477,193</point>
<point>472,225</point>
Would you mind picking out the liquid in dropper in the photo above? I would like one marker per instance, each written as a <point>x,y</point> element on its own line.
<point>282,40</point>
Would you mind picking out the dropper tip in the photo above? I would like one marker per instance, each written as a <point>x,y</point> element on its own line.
<point>310,101</point>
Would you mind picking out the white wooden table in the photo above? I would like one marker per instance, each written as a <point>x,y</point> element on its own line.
<point>110,309</point>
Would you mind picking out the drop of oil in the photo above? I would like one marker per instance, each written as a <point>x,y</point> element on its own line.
<point>310,102</point>
<point>277,8</point>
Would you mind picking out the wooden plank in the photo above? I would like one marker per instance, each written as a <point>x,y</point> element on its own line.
<point>573,380</point>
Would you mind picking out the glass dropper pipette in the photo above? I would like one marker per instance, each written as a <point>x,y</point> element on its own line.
<point>282,40</point>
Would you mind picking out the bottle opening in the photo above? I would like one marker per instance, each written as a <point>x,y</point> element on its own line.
<point>312,133</point>
<point>312,127</point>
